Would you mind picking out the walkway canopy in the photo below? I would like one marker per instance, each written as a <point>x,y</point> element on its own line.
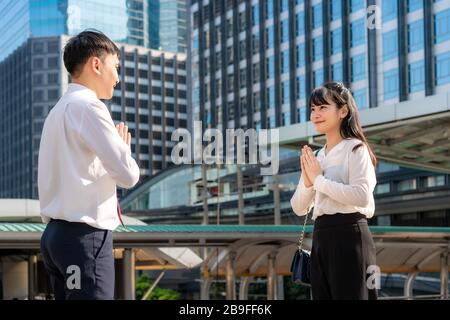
<point>399,249</point>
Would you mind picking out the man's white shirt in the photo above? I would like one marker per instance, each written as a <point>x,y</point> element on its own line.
<point>81,160</point>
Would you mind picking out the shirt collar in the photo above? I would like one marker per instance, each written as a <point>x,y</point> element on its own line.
<point>75,87</point>
<point>337,147</point>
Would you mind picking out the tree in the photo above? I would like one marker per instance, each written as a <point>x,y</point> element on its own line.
<point>143,283</point>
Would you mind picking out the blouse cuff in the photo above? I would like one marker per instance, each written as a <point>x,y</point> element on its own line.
<point>305,188</point>
<point>320,179</point>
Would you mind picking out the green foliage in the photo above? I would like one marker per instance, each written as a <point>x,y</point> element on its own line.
<point>294,291</point>
<point>143,283</point>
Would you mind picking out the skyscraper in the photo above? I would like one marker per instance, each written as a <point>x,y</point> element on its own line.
<point>255,62</point>
<point>168,25</point>
<point>123,21</point>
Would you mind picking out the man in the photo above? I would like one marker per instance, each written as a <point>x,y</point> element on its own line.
<point>82,158</point>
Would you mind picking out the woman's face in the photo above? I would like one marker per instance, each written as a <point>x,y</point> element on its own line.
<point>327,117</point>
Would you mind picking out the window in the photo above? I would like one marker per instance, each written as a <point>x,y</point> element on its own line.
<point>390,50</point>
<point>284,5</point>
<point>243,106</point>
<point>358,68</point>
<point>242,78</point>
<point>38,79</point>
<point>406,185</point>
<point>38,95</point>
<point>230,55</point>
<point>357,32</point>
<point>38,111</point>
<point>271,122</point>
<point>390,84</point>
<point>434,181</point>
<point>143,73</point>
<point>271,96</point>
<point>318,78</point>
<point>53,46</point>
<point>255,72</point>
<point>242,50</point>
<point>301,87</point>
<point>443,68</point>
<point>284,31</point>
<point>442,26</point>
<point>285,91</point>
<point>389,10</point>
<point>318,48</point>
<point>415,36</point>
<point>383,188</point>
<point>285,62</point>
<point>360,98</point>
<point>242,22</point>
<point>52,94</point>
<point>416,72</point>
<point>256,102</point>
<point>336,9</point>
<point>286,118</point>
<point>300,23</point>
<point>269,37</point>
<point>156,91</point>
<point>356,5</point>
<point>156,75</point>
<point>53,62</point>
<point>269,9</point>
<point>270,67</point>
<point>302,114</point>
<point>300,55</point>
<point>255,15</point>
<point>38,63</point>
<point>255,43</point>
<point>38,47</point>
<point>169,92</point>
<point>336,41</point>
<point>414,5</point>
<point>336,71</point>
<point>317,15</point>
<point>230,84</point>
<point>129,72</point>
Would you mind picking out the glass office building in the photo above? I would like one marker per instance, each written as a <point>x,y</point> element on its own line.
<point>157,24</point>
<point>168,25</point>
<point>254,62</point>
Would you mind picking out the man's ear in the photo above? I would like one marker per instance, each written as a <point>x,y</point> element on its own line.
<point>95,64</point>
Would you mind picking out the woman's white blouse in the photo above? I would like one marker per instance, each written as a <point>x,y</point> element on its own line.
<point>346,186</point>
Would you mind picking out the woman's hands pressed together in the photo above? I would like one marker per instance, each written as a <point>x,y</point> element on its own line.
<point>310,166</point>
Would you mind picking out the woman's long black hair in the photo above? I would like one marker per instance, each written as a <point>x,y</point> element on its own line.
<point>350,126</point>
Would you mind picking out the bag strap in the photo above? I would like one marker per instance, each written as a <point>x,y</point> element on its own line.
<point>302,234</point>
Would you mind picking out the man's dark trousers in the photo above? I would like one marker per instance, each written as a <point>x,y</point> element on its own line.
<point>79,261</point>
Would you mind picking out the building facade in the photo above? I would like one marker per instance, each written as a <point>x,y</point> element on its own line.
<point>254,62</point>
<point>151,99</point>
<point>168,25</point>
<point>123,21</point>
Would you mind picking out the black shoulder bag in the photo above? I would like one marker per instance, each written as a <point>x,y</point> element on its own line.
<point>301,263</point>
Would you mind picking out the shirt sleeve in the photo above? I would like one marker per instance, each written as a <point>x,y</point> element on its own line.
<point>99,133</point>
<point>362,180</point>
<point>302,200</point>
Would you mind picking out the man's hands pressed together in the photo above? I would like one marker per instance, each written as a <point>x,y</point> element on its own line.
<point>123,133</point>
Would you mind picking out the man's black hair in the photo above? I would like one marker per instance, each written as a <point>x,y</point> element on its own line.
<point>89,43</point>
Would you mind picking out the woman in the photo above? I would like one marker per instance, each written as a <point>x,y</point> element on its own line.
<point>339,183</point>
